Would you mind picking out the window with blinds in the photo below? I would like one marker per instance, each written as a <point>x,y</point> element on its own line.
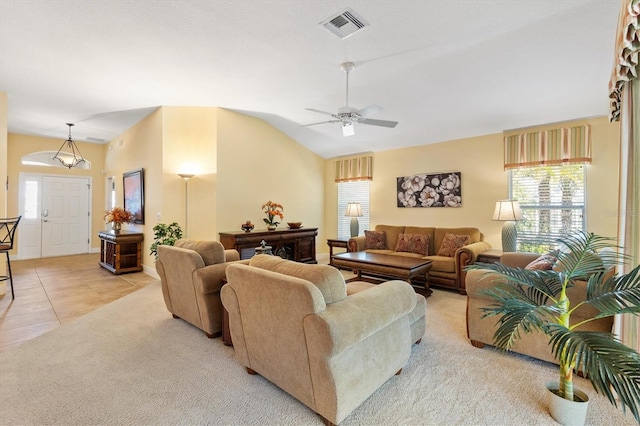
<point>552,200</point>
<point>352,192</point>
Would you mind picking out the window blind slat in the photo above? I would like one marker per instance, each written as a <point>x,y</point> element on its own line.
<point>552,201</point>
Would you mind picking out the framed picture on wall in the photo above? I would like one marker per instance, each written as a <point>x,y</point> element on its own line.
<point>133,188</point>
<point>430,190</point>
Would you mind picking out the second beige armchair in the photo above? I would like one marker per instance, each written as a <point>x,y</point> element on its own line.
<point>192,273</point>
<point>295,325</point>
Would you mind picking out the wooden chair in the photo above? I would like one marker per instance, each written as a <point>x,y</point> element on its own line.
<point>8,228</point>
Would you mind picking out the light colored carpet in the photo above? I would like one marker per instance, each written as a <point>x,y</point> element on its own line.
<point>131,363</point>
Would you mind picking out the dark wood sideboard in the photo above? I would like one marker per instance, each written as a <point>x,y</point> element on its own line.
<point>293,244</point>
<point>121,252</point>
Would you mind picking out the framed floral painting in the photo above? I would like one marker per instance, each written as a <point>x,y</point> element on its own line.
<point>430,190</point>
<point>133,188</point>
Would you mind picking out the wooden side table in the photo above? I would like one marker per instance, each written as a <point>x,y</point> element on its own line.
<point>489,256</point>
<point>121,251</point>
<point>336,242</point>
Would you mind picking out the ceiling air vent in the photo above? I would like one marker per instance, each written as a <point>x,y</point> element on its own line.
<point>345,23</point>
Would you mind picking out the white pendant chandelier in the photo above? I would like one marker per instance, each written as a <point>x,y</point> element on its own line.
<point>69,159</point>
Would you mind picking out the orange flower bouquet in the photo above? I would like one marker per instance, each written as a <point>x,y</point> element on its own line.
<point>118,215</point>
<point>272,210</point>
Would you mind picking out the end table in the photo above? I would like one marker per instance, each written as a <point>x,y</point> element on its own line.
<point>336,242</point>
<point>489,256</point>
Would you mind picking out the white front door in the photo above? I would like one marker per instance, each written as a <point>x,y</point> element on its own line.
<point>56,216</point>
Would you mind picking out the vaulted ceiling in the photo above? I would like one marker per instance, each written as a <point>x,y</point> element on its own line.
<point>444,69</point>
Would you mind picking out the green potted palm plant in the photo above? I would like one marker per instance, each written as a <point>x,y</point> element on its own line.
<point>165,235</point>
<point>537,301</point>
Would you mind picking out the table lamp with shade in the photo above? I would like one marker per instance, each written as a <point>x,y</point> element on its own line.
<point>509,212</point>
<point>354,211</point>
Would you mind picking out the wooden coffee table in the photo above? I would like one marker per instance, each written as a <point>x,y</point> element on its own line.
<point>383,265</point>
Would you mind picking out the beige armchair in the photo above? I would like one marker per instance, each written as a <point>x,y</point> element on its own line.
<point>481,330</point>
<point>294,324</point>
<point>192,273</point>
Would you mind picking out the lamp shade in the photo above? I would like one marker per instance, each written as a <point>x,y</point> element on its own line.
<point>353,210</point>
<point>507,210</point>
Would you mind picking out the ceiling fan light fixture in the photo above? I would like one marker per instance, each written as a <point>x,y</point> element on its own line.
<point>348,115</point>
<point>69,159</point>
<point>347,129</point>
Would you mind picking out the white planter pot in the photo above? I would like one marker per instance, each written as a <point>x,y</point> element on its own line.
<point>564,411</point>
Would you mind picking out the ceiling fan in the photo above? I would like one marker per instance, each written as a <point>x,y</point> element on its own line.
<point>347,116</point>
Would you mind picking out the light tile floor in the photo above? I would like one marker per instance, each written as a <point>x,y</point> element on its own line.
<point>53,291</point>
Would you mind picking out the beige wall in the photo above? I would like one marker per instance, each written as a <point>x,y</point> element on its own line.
<point>259,163</point>
<point>480,160</point>
<point>3,171</point>
<point>241,162</point>
<point>3,151</point>
<point>20,145</point>
<point>140,147</point>
<point>190,146</point>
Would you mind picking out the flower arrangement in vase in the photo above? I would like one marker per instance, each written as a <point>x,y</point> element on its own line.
<point>272,210</point>
<point>117,216</point>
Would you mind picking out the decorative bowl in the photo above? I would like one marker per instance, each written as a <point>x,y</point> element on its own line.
<point>294,225</point>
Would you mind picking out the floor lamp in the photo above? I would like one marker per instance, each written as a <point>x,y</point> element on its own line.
<point>186,177</point>
<point>508,211</point>
<point>354,211</point>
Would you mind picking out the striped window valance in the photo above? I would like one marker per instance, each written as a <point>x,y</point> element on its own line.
<point>352,169</point>
<point>626,65</point>
<point>556,146</point>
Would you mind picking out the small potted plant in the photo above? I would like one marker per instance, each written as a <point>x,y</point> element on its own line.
<point>536,301</point>
<point>165,235</point>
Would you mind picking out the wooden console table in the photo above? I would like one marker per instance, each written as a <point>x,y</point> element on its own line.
<point>121,252</point>
<point>293,244</point>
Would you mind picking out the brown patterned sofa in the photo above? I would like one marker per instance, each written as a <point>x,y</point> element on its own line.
<point>446,271</point>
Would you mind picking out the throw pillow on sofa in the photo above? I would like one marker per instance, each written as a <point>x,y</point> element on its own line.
<point>451,243</point>
<point>543,263</point>
<point>376,240</point>
<point>413,243</point>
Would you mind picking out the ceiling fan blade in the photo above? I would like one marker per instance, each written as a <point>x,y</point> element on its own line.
<point>321,112</point>
<point>370,110</point>
<point>321,122</point>
<point>383,123</point>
